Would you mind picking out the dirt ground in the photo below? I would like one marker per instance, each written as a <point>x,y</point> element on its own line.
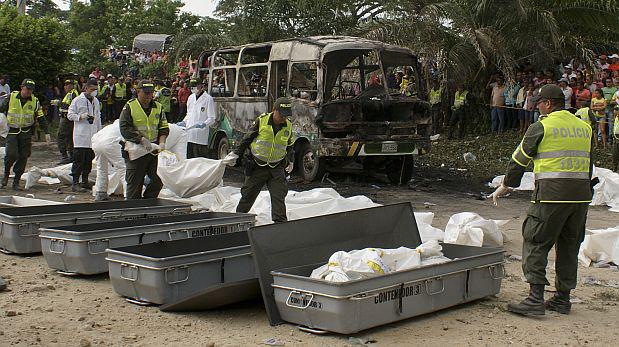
<point>45,308</point>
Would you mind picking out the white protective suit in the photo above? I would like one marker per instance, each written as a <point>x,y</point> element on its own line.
<point>200,111</point>
<point>106,145</point>
<point>82,129</point>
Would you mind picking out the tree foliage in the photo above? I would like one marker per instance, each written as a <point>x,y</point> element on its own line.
<point>31,47</point>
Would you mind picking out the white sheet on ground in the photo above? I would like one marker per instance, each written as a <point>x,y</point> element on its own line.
<point>607,191</point>
<point>600,246</point>
<point>468,228</point>
<point>53,175</point>
<point>371,262</point>
<point>315,202</point>
<point>527,182</point>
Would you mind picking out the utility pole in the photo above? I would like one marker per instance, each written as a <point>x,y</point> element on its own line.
<point>21,6</point>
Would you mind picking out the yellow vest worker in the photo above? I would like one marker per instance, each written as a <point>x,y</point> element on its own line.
<point>559,146</point>
<point>270,141</point>
<point>143,122</point>
<point>22,111</point>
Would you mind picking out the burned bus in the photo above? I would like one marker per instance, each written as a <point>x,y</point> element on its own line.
<point>357,103</point>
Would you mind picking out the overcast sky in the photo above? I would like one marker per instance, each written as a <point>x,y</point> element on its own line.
<point>198,7</point>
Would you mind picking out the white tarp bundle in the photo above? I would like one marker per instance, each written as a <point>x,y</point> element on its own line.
<point>371,262</point>
<point>471,229</point>
<point>175,143</point>
<point>600,246</point>
<point>190,177</point>
<point>426,230</point>
<point>311,203</point>
<point>604,193</point>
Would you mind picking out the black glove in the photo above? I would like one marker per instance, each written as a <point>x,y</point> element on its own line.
<point>593,183</point>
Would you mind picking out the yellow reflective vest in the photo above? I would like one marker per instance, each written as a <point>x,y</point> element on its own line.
<point>147,125</point>
<point>120,90</point>
<point>565,149</point>
<point>459,99</point>
<point>22,117</point>
<point>68,98</point>
<point>269,148</point>
<point>583,114</point>
<point>435,96</point>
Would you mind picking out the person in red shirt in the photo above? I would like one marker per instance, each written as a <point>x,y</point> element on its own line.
<point>583,95</point>
<point>615,65</point>
<point>183,96</point>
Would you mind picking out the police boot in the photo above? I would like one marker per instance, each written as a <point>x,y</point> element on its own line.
<point>5,179</point>
<point>75,187</point>
<point>85,183</point>
<point>560,302</point>
<point>16,184</point>
<point>533,305</point>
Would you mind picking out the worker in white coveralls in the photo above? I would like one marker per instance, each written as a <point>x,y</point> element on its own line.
<point>85,113</point>
<point>106,145</point>
<point>200,117</point>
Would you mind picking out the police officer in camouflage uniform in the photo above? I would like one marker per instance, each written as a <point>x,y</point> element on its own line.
<point>271,155</point>
<point>560,147</point>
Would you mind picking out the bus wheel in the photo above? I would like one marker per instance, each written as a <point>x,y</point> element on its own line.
<point>309,166</point>
<point>400,170</point>
<point>223,148</point>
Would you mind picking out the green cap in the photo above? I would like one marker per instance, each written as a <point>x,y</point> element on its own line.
<point>284,106</point>
<point>146,85</point>
<point>28,83</point>
<point>193,82</point>
<point>549,92</point>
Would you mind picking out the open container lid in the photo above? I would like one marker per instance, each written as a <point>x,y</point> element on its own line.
<point>314,240</point>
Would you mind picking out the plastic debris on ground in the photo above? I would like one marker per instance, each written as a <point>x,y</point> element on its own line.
<point>592,281</point>
<point>600,246</point>
<point>470,229</point>
<point>371,262</point>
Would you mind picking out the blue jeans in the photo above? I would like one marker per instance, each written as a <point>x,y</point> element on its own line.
<point>498,119</point>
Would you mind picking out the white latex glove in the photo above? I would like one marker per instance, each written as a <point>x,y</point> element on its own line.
<point>48,139</point>
<point>84,116</point>
<point>230,159</point>
<point>500,192</point>
<point>147,144</point>
<point>289,168</point>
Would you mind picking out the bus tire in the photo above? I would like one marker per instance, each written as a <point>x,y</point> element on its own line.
<point>400,170</point>
<point>310,167</point>
<point>222,148</point>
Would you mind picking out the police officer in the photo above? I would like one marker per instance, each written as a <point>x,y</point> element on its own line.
<point>22,111</point>
<point>270,141</point>
<point>560,147</point>
<point>458,111</point>
<point>65,126</point>
<point>103,93</point>
<point>143,121</point>
<point>120,94</point>
<point>434,97</point>
<point>163,95</point>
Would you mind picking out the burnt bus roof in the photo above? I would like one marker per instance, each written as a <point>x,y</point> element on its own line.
<point>314,47</point>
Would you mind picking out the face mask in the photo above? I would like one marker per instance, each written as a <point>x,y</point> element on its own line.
<point>94,93</point>
<point>194,90</point>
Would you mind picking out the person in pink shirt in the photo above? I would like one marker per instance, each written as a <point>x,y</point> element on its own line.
<point>583,95</point>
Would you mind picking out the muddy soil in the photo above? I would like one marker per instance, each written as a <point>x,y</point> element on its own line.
<point>42,307</point>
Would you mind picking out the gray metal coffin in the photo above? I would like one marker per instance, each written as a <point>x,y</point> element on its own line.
<point>285,255</point>
<point>172,272</point>
<point>19,231</point>
<point>81,249</point>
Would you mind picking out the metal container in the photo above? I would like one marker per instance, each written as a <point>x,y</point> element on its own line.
<point>286,254</point>
<point>19,201</point>
<point>19,232</point>
<point>169,272</point>
<point>80,249</point>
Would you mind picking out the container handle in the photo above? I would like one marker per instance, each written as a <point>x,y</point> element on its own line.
<point>60,244</point>
<point>176,270</point>
<point>303,295</point>
<point>438,292</point>
<point>176,232</point>
<point>28,227</point>
<point>93,243</point>
<point>494,274</point>
<point>111,215</point>
<point>181,210</point>
<point>127,266</point>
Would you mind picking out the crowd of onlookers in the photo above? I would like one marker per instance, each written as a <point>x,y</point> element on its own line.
<point>594,87</point>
